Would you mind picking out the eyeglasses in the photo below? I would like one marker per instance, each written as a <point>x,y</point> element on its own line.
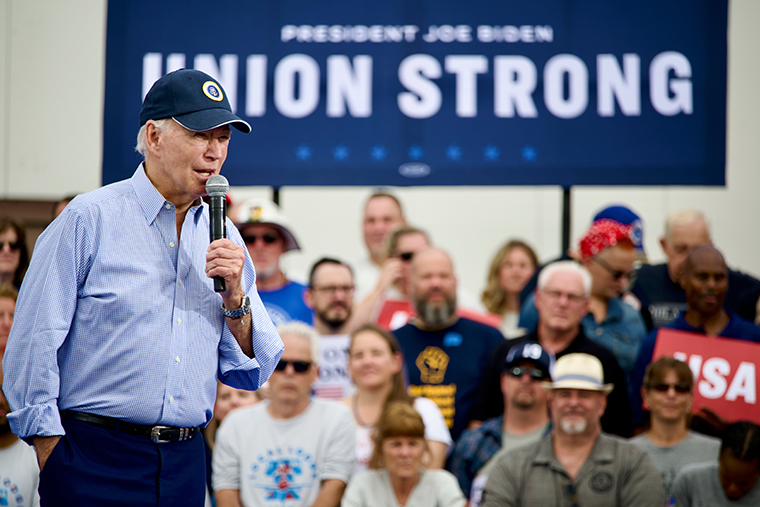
<point>406,256</point>
<point>298,366</point>
<point>617,274</point>
<point>555,294</point>
<point>331,290</point>
<point>268,238</point>
<point>16,245</point>
<point>663,387</point>
<point>519,371</point>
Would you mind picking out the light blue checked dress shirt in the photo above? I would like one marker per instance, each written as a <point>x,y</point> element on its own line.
<point>117,318</point>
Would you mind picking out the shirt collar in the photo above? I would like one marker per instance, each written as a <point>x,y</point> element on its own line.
<point>150,199</point>
<point>615,309</point>
<point>614,312</point>
<point>545,453</point>
<point>681,323</point>
<point>603,451</point>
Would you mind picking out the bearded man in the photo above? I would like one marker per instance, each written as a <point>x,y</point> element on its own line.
<point>445,354</point>
<point>576,464</point>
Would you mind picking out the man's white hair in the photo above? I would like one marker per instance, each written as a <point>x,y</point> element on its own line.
<point>305,332</point>
<point>565,267</point>
<point>685,217</point>
<point>161,125</point>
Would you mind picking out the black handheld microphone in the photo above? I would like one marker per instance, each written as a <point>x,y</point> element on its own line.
<point>216,188</point>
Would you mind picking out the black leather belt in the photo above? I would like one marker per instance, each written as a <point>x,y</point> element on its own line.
<point>157,434</point>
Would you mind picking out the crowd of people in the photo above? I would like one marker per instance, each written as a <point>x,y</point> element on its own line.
<point>489,390</point>
<point>378,382</point>
<point>404,395</point>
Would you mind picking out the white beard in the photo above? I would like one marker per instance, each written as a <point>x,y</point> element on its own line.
<point>269,273</point>
<point>573,428</point>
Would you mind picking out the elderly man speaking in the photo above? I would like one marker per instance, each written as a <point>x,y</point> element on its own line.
<point>577,464</point>
<point>119,337</point>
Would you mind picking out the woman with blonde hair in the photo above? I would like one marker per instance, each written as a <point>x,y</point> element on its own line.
<point>374,363</point>
<point>511,269</point>
<point>397,476</point>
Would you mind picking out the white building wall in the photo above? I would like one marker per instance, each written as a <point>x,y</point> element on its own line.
<point>52,68</point>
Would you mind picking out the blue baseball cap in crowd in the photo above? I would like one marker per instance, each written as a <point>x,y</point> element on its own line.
<point>531,352</point>
<point>193,99</point>
<point>625,216</point>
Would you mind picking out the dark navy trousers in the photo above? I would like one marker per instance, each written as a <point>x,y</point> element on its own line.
<point>93,466</point>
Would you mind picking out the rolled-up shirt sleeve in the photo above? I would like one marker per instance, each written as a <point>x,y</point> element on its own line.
<point>235,368</point>
<point>44,312</point>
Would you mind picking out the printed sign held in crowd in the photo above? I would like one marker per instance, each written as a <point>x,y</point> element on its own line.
<point>725,371</point>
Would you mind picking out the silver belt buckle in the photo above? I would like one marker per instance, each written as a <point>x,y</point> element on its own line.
<point>155,434</point>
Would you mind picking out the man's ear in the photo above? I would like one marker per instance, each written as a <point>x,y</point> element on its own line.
<point>152,138</point>
<point>308,298</point>
<point>603,407</point>
<point>587,305</point>
<point>537,301</point>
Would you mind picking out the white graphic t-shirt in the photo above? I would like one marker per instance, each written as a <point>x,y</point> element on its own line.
<point>281,462</point>
<point>19,476</point>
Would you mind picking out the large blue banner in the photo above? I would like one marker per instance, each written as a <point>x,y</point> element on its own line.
<point>439,92</point>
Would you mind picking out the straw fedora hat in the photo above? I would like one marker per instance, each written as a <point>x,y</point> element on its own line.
<point>579,371</point>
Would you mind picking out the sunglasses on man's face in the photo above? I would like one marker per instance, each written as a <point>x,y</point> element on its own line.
<point>519,371</point>
<point>617,274</point>
<point>268,238</point>
<point>16,245</point>
<point>663,387</point>
<point>298,366</point>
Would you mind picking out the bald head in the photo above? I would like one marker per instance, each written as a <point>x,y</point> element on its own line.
<point>704,254</point>
<point>686,218</point>
<point>684,230</point>
<point>434,286</point>
<point>431,254</point>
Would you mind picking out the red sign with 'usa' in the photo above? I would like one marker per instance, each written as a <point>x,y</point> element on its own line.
<point>725,371</point>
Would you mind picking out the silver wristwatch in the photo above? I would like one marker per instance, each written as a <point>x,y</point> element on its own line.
<point>244,309</point>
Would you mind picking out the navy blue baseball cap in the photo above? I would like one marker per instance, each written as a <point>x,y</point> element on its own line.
<point>193,99</point>
<point>531,352</point>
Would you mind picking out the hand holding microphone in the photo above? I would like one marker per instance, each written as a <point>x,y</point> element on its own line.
<point>216,188</point>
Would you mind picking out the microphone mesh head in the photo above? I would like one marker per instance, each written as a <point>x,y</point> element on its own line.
<point>217,186</point>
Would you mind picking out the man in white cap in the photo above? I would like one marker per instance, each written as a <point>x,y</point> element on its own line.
<point>267,235</point>
<point>576,464</point>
